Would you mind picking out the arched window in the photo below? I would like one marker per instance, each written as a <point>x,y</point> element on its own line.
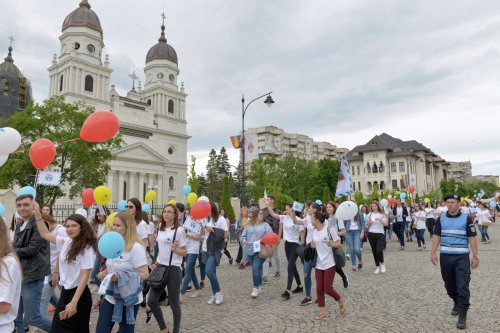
<point>124,191</point>
<point>375,168</point>
<point>170,106</point>
<point>368,167</point>
<point>171,184</point>
<point>89,83</point>
<point>5,87</point>
<point>358,170</point>
<point>381,167</point>
<point>149,101</point>
<point>382,185</point>
<point>61,80</point>
<point>370,187</point>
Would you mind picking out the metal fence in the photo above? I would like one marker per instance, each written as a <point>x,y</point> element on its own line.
<point>61,212</point>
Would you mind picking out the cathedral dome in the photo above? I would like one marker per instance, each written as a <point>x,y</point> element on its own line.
<point>162,50</point>
<point>8,69</point>
<point>83,17</point>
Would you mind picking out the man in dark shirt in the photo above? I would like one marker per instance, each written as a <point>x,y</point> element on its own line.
<point>275,224</point>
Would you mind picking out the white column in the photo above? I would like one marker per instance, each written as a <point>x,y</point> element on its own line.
<point>141,186</point>
<point>121,178</point>
<point>161,198</point>
<point>131,189</point>
<point>110,184</point>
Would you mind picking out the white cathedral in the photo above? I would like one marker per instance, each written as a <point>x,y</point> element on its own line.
<point>152,118</point>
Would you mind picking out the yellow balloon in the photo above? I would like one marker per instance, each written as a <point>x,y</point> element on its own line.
<point>172,202</point>
<point>102,195</point>
<point>426,200</point>
<point>109,221</point>
<point>150,195</point>
<point>191,198</point>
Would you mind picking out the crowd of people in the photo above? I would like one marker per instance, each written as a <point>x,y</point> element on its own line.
<point>44,264</point>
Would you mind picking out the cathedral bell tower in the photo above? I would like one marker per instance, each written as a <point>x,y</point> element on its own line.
<point>79,73</point>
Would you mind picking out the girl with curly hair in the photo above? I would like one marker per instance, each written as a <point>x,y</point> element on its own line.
<point>76,260</point>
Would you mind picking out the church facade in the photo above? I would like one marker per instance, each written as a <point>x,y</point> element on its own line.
<point>152,118</point>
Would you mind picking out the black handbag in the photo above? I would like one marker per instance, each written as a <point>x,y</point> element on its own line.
<point>159,276</point>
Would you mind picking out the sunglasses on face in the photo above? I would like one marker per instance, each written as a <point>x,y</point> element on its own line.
<point>130,207</point>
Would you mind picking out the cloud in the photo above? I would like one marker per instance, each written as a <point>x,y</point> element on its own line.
<point>341,72</point>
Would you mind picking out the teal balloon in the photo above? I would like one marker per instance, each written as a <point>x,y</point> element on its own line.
<point>186,189</point>
<point>493,204</point>
<point>27,190</point>
<point>111,245</point>
<point>402,195</point>
<point>122,206</point>
<point>146,208</point>
<point>2,210</point>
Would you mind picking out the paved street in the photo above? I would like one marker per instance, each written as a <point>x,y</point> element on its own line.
<point>409,298</point>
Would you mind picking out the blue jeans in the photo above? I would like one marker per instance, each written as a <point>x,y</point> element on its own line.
<point>95,271</point>
<point>212,273</point>
<point>307,277</point>
<point>484,234</point>
<point>202,260</point>
<point>257,263</point>
<point>400,231</point>
<point>48,295</point>
<point>104,323</point>
<point>420,236</point>
<point>354,243</point>
<point>189,273</point>
<point>409,230</point>
<point>29,306</point>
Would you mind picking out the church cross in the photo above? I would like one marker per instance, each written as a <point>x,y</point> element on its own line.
<point>134,77</point>
<point>163,18</point>
<point>11,38</point>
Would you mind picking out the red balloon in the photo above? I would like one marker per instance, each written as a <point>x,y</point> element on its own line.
<point>88,197</point>
<point>412,189</point>
<point>42,153</point>
<point>200,209</point>
<point>100,126</point>
<point>391,201</point>
<point>270,239</point>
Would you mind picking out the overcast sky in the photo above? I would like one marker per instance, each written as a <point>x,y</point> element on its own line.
<point>340,71</point>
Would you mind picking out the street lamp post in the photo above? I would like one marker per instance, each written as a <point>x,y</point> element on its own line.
<point>269,102</point>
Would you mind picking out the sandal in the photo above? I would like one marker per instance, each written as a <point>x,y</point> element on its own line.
<point>319,316</point>
<point>342,306</point>
<point>149,314</point>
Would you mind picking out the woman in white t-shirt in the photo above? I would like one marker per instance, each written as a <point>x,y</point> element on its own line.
<point>420,217</point>
<point>99,226</point>
<point>215,221</point>
<point>172,246</point>
<point>194,231</point>
<point>376,236</point>
<point>293,235</point>
<point>134,207</point>
<point>10,281</point>
<point>132,259</point>
<point>483,220</point>
<point>430,217</point>
<point>324,240</point>
<point>50,282</point>
<point>339,226</point>
<point>76,260</point>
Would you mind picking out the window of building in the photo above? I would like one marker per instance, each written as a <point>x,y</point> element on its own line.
<point>368,167</point>
<point>428,168</point>
<point>354,186</point>
<point>61,80</point>
<point>359,186</point>
<point>89,83</point>
<point>401,166</point>
<point>143,190</point>
<point>381,167</point>
<point>124,194</point>
<point>170,106</point>
<point>149,101</point>
<point>401,184</point>
<point>358,169</point>
<point>394,184</point>
<point>382,185</point>
<point>370,187</point>
<point>353,170</point>
<point>170,150</point>
<point>5,86</point>
<point>394,167</point>
<point>374,155</point>
<point>375,168</point>
<point>171,183</point>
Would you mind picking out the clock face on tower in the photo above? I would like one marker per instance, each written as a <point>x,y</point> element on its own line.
<point>91,48</point>
<point>160,76</point>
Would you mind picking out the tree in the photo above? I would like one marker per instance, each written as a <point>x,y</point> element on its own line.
<point>376,191</point>
<point>213,189</point>
<point>358,198</point>
<point>302,197</point>
<point>192,178</point>
<point>82,164</point>
<point>326,194</point>
<point>225,202</point>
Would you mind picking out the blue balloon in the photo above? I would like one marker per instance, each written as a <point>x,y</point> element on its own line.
<point>493,204</point>
<point>122,206</point>
<point>402,195</point>
<point>2,210</point>
<point>111,245</point>
<point>146,208</point>
<point>27,190</point>
<point>318,202</point>
<point>186,189</point>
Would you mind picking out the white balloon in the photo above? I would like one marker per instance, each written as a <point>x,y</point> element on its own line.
<point>384,202</point>
<point>497,195</point>
<point>203,198</point>
<point>346,210</point>
<point>3,159</point>
<point>389,196</point>
<point>10,140</point>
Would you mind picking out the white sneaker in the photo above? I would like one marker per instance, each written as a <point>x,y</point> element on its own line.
<point>382,268</point>
<point>377,270</point>
<point>219,298</point>
<point>211,300</point>
<point>197,293</point>
<point>255,292</point>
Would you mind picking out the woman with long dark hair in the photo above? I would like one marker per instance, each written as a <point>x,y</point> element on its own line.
<point>194,231</point>
<point>376,236</point>
<point>430,217</point>
<point>222,213</point>
<point>134,207</point>
<point>10,281</point>
<point>339,227</point>
<point>241,223</point>
<point>76,260</point>
<point>172,246</point>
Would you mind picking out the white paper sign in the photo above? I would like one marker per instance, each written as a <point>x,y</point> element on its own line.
<point>256,247</point>
<point>50,178</point>
<point>104,284</point>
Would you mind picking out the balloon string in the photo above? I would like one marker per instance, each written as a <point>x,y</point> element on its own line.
<point>27,149</point>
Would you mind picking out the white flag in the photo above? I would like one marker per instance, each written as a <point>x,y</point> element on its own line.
<point>50,178</point>
<point>265,194</point>
<point>344,184</point>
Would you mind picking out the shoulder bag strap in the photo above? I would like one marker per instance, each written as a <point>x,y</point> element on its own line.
<point>172,252</point>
